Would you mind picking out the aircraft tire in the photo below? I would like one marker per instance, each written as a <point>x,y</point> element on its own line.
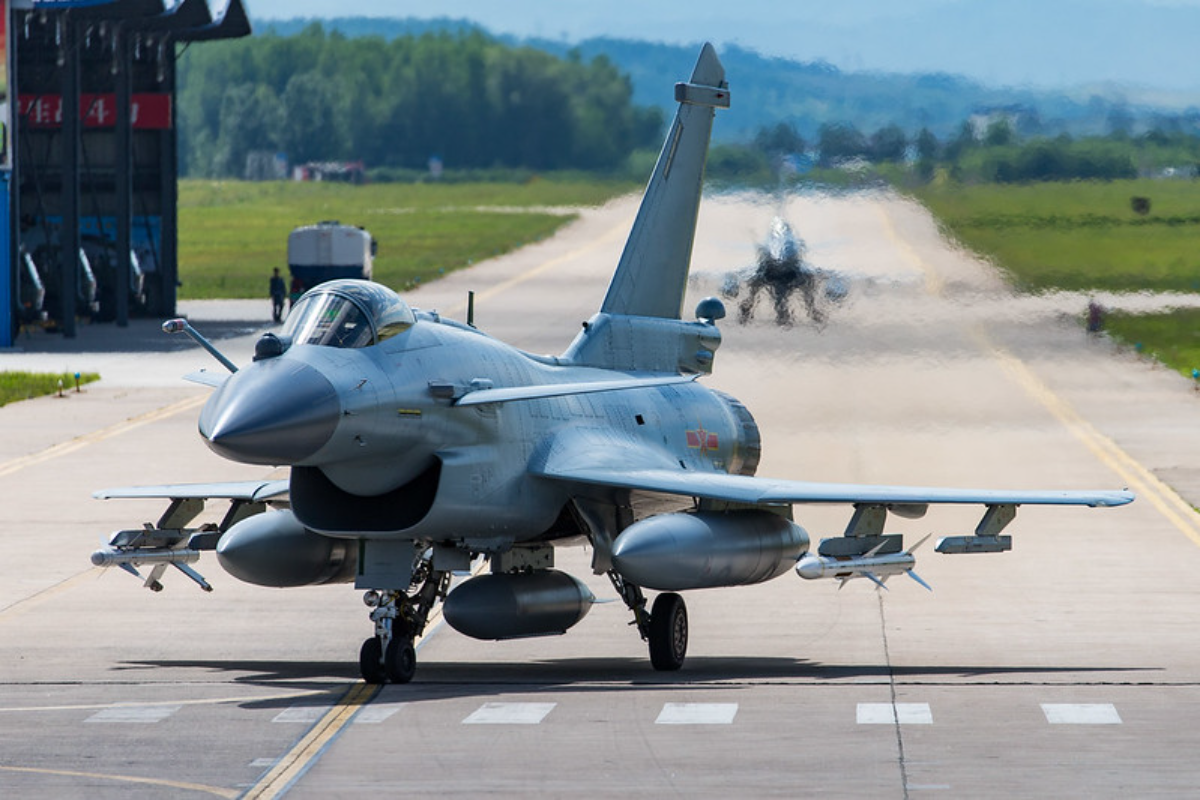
<point>401,661</point>
<point>668,632</point>
<point>370,661</point>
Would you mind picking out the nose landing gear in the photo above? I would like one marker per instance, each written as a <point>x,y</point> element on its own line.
<point>390,656</point>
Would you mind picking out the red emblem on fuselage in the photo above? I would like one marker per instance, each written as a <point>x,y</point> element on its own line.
<point>702,440</point>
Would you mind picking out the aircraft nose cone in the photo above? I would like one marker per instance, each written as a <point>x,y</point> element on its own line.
<point>276,411</point>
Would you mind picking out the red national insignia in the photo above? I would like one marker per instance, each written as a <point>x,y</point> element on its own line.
<point>702,440</point>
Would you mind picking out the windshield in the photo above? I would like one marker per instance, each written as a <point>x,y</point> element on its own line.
<point>348,313</point>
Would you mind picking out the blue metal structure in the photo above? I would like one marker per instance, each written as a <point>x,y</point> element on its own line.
<point>8,287</point>
<point>94,149</point>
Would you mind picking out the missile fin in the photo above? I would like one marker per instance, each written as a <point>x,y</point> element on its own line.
<point>874,551</point>
<point>196,576</point>
<point>873,578</point>
<point>917,577</point>
<point>913,549</point>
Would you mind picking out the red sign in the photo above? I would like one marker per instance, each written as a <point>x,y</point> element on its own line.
<point>148,111</point>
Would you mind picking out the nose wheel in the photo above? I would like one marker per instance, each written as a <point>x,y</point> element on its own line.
<point>396,663</point>
<point>390,656</point>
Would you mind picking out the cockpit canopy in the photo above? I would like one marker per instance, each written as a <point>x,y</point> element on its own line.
<point>348,313</point>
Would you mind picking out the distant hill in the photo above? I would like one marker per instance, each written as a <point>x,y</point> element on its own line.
<point>769,90</point>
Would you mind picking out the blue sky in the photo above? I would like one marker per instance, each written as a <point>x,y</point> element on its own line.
<point>1048,43</point>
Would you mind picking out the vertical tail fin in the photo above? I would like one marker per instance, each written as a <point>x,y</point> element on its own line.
<point>652,275</point>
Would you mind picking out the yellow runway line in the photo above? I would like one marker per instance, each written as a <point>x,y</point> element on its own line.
<point>1135,475</point>
<point>306,751</point>
<point>517,280</point>
<point>166,784</point>
<point>80,442</point>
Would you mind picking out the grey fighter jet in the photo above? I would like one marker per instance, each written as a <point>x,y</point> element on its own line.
<point>782,271</point>
<point>419,447</point>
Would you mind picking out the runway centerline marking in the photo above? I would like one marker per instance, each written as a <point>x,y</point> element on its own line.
<point>1136,476</point>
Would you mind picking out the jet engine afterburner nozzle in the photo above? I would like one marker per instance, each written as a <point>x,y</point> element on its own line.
<point>276,411</point>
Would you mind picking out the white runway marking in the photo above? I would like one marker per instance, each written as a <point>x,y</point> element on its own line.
<point>136,714</point>
<point>1081,714</point>
<point>697,714</point>
<point>889,714</point>
<point>264,762</point>
<point>510,714</point>
<point>373,715</point>
<point>305,714</point>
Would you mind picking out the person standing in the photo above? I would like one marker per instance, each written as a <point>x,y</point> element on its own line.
<point>278,292</point>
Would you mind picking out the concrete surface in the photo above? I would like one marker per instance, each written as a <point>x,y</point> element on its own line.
<point>1066,668</point>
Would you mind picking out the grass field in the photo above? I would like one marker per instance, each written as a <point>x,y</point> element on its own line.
<point>1173,338</point>
<point>16,386</point>
<point>232,233</point>
<point>1083,236</point>
<point>1079,235</point>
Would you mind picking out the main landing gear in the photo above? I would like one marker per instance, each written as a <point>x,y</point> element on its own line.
<point>665,626</point>
<point>390,656</point>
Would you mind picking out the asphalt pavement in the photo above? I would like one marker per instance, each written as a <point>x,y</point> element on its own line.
<point>1065,668</point>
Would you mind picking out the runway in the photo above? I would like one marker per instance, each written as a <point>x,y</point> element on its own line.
<point>1065,668</point>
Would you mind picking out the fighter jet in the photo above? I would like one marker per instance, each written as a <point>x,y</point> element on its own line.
<point>782,270</point>
<point>420,448</point>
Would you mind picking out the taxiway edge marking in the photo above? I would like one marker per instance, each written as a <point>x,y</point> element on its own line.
<point>79,442</point>
<point>25,603</point>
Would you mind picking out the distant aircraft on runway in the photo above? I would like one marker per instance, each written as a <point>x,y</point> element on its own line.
<point>419,445</point>
<point>783,271</point>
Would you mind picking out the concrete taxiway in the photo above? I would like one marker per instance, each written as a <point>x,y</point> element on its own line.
<point>1064,668</point>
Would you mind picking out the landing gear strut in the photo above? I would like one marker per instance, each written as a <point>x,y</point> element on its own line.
<point>390,655</point>
<point>665,627</point>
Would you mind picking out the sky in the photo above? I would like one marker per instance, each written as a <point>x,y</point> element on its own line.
<point>1044,43</point>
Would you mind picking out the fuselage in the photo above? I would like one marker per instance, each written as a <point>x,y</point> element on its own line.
<point>379,447</point>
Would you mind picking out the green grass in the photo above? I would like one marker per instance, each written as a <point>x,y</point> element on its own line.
<point>16,386</point>
<point>1079,236</point>
<point>1085,236</point>
<point>1172,337</point>
<point>232,233</point>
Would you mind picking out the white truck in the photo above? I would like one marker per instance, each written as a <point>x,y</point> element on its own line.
<point>326,251</point>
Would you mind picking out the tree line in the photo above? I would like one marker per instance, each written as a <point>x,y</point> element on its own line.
<point>463,98</point>
<point>978,152</point>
